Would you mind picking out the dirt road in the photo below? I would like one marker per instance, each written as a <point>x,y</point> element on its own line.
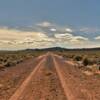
<point>52,78</point>
<point>42,84</point>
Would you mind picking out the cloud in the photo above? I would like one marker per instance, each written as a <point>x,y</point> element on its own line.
<point>23,39</point>
<point>44,35</point>
<point>53,30</point>
<point>63,35</point>
<point>89,30</point>
<point>68,37</point>
<point>68,30</point>
<point>79,40</point>
<point>97,38</point>
<point>44,24</point>
<point>5,42</point>
<point>50,29</point>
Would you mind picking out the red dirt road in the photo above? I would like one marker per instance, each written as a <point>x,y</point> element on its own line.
<point>42,84</point>
<point>52,78</point>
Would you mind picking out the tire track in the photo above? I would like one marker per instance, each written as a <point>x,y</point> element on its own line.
<point>45,85</point>
<point>70,78</point>
<point>20,90</point>
<point>67,91</point>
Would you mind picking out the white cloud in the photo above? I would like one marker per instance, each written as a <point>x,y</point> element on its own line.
<point>16,38</point>
<point>5,42</point>
<point>68,37</point>
<point>68,30</point>
<point>53,30</point>
<point>11,38</point>
<point>97,38</point>
<point>78,40</point>
<point>45,24</point>
<point>63,35</point>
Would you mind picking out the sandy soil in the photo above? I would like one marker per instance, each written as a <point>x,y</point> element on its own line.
<point>44,85</point>
<point>81,86</point>
<point>48,77</point>
<point>11,78</point>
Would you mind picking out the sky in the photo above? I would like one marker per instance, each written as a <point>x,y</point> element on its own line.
<point>49,23</point>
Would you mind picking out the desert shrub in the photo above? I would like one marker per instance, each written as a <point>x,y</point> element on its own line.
<point>72,56</point>
<point>85,61</point>
<point>99,67</point>
<point>5,60</point>
<point>89,61</point>
<point>93,61</point>
<point>9,64</point>
<point>77,58</point>
<point>98,61</point>
<point>19,61</point>
<point>1,59</point>
<point>64,56</point>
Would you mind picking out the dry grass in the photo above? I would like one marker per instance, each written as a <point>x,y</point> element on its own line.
<point>83,58</point>
<point>11,58</point>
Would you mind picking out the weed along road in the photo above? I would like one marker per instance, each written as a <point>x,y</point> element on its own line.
<point>52,78</point>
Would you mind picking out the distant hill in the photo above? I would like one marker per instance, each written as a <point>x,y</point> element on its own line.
<point>64,49</point>
<point>55,49</point>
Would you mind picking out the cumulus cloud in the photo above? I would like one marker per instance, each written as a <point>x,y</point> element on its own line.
<point>68,37</point>
<point>63,35</point>
<point>68,30</point>
<point>97,38</point>
<point>79,40</point>
<point>5,42</point>
<point>13,37</point>
<point>53,30</point>
<point>42,35</point>
<point>44,24</point>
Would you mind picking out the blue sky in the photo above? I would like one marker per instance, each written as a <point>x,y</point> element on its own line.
<point>80,16</point>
